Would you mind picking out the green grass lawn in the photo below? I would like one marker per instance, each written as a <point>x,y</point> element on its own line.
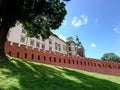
<point>24,75</point>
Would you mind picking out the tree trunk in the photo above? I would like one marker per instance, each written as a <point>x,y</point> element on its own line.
<point>4,28</point>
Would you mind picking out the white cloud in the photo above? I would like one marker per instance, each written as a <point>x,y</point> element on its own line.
<point>85,19</point>
<point>62,37</point>
<point>93,45</point>
<point>76,22</point>
<point>117,30</point>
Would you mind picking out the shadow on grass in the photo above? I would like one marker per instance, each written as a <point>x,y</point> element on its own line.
<point>32,76</point>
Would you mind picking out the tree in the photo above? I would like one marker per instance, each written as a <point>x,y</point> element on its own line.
<point>38,17</point>
<point>110,57</point>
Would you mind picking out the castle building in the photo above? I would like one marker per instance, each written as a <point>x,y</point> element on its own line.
<point>53,43</point>
<point>80,48</point>
<point>71,46</point>
<point>75,47</point>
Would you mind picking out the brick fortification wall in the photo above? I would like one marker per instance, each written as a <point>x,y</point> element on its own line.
<point>53,58</point>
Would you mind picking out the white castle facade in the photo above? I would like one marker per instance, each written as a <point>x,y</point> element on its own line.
<point>53,43</point>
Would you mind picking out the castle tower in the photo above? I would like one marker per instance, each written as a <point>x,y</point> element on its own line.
<point>71,46</point>
<point>80,48</point>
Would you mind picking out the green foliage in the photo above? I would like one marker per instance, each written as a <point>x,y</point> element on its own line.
<point>37,16</point>
<point>24,75</point>
<point>110,57</point>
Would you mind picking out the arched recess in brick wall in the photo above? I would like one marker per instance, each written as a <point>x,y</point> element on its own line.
<point>54,59</point>
<point>18,54</point>
<point>38,57</point>
<point>50,59</point>
<point>44,58</point>
<point>25,55</point>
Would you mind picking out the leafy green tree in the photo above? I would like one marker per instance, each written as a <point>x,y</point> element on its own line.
<point>110,57</point>
<point>38,17</point>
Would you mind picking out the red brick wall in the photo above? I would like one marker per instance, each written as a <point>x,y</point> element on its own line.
<point>53,58</point>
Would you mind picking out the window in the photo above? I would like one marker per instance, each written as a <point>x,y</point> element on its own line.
<point>55,45</point>
<point>22,39</point>
<point>23,31</point>
<point>69,48</point>
<point>37,44</point>
<point>43,46</point>
<point>59,47</point>
<point>50,41</point>
<point>69,44</point>
<point>32,43</point>
<point>50,48</point>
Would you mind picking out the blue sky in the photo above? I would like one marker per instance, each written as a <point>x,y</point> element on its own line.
<point>96,22</point>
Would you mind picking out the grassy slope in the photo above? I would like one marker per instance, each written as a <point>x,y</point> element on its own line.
<point>23,75</point>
